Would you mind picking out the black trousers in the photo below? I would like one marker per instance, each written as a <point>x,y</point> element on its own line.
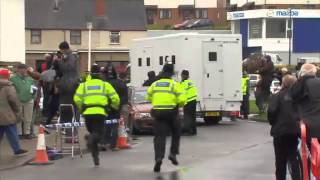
<point>95,126</point>
<point>189,111</point>
<point>286,150</point>
<point>166,120</point>
<point>245,106</point>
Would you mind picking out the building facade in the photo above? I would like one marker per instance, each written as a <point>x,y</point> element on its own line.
<point>12,41</point>
<point>170,12</point>
<point>287,32</point>
<point>115,23</point>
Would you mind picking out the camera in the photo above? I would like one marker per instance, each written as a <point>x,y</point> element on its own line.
<point>59,54</point>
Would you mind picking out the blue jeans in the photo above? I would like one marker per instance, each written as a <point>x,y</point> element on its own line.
<point>12,135</point>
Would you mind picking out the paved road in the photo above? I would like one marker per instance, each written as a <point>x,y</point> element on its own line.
<point>229,151</point>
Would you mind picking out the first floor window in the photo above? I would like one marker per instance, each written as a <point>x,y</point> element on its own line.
<point>114,37</point>
<point>35,36</point>
<point>75,37</point>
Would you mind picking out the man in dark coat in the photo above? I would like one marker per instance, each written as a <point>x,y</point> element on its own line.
<point>121,88</point>
<point>306,95</point>
<point>151,78</point>
<point>284,121</point>
<point>66,66</point>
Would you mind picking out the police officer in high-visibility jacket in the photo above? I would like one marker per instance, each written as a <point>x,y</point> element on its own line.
<point>94,97</point>
<point>246,94</point>
<point>166,96</point>
<point>190,108</point>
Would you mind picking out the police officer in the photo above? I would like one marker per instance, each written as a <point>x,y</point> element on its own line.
<point>246,94</point>
<point>190,108</point>
<point>92,97</point>
<point>166,97</point>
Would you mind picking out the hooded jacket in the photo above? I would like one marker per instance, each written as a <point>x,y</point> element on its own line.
<point>9,103</point>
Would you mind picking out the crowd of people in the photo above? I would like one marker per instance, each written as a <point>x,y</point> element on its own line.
<point>298,99</point>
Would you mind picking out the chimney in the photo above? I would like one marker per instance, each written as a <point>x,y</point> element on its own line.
<point>100,8</point>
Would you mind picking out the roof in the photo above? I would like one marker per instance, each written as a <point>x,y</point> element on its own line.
<point>74,14</point>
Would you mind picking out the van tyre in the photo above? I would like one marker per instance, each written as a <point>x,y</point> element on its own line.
<point>212,120</point>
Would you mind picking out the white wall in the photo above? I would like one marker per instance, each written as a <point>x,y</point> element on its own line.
<point>260,2</point>
<point>176,3</point>
<point>281,44</point>
<point>12,30</point>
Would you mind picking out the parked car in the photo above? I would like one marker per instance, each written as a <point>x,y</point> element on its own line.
<point>254,78</point>
<point>275,86</point>
<point>184,24</point>
<point>140,118</point>
<point>200,23</point>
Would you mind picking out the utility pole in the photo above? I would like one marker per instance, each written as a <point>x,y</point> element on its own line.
<point>290,34</point>
<point>89,26</point>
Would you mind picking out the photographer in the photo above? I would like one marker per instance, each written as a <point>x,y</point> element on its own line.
<point>66,65</point>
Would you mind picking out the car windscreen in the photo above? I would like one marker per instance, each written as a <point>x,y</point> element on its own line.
<point>140,96</point>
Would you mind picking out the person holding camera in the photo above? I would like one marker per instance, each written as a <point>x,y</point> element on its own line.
<point>67,79</point>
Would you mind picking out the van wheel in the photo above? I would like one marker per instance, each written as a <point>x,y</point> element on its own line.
<point>212,120</point>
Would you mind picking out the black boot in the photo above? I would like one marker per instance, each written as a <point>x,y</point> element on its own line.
<point>157,166</point>
<point>173,159</point>
<point>95,159</point>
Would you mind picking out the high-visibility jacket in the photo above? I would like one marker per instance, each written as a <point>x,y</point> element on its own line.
<point>93,96</point>
<point>190,89</point>
<point>245,82</point>
<point>88,78</point>
<point>166,94</point>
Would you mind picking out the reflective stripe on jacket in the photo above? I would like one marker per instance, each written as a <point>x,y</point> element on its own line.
<point>93,96</point>
<point>166,94</point>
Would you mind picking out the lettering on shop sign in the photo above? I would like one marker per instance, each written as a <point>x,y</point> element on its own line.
<point>238,15</point>
<point>287,13</point>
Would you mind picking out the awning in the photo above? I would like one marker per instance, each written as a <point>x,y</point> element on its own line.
<point>151,6</point>
<point>189,6</point>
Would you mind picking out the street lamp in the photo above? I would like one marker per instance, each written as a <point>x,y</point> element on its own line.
<point>89,26</point>
<point>290,33</point>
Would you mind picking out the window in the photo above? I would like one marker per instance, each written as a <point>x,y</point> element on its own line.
<point>165,14</point>
<point>148,61</point>
<point>161,60</point>
<point>140,62</point>
<point>202,13</point>
<point>173,59</point>
<point>75,37</point>
<point>114,37</point>
<point>212,56</point>
<point>236,27</point>
<point>255,28</point>
<point>276,28</point>
<point>35,36</point>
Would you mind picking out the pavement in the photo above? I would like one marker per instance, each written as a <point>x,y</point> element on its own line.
<point>228,151</point>
<point>9,161</point>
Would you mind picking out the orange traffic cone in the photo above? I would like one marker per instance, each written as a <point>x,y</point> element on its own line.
<point>41,152</point>
<point>122,139</point>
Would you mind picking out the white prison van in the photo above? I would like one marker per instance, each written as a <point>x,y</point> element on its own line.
<point>214,63</point>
